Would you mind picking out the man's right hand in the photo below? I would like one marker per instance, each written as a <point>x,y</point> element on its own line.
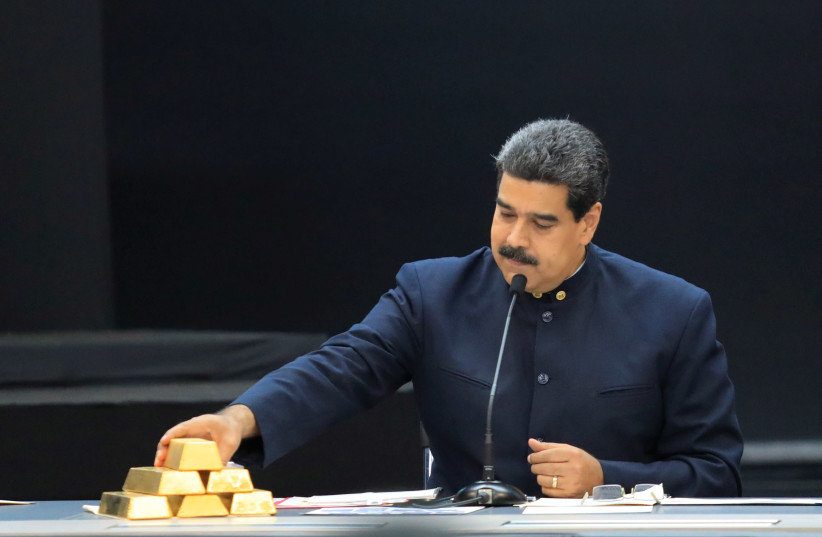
<point>227,428</point>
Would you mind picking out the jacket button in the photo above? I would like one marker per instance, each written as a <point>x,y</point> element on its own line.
<point>547,316</point>
<point>542,378</point>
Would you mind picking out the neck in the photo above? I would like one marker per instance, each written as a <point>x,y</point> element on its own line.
<point>571,272</point>
<point>580,263</point>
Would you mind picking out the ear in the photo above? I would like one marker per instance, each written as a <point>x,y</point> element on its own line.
<point>589,222</point>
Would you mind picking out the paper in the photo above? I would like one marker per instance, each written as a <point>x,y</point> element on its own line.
<point>644,524</point>
<point>356,500</point>
<point>578,502</point>
<point>545,506</point>
<point>95,509</point>
<point>575,506</point>
<point>586,509</point>
<point>394,511</point>
<point>741,501</point>
<point>584,506</point>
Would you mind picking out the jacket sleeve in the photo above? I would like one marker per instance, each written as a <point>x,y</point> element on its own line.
<point>700,445</point>
<point>351,372</point>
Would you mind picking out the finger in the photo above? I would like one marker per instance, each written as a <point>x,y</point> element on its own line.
<point>554,455</point>
<point>162,448</point>
<point>546,484</point>
<point>547,481</point>
<point>181,430</point>
<point>549,469</point>
<point>184,429</point>
<point>535,444</point>
<point>561,491</point>
<point>160,457</point>
<point>226,451</point>
<point>552,445</point>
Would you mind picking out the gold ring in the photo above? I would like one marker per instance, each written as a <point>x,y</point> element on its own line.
<point>554,483</point>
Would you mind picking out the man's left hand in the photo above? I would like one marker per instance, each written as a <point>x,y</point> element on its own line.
<point>563,471</point>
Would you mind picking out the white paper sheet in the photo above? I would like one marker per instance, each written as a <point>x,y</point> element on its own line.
<point>355,500</point>
<point>376,510</point>
<point>741,501</point>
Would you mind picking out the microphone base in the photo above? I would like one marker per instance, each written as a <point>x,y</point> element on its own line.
<point>491,493</point>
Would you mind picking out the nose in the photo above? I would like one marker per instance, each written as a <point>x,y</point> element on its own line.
<point>519,235</point>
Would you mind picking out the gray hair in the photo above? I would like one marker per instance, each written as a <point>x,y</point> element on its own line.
<point>559,152</point>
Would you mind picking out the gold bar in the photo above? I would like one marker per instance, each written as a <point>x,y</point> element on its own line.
<point>197,505</point>
<point>228,480</point>
<point>256,502</point>
<point>163,481</point>
<point>193,454</point>
<point>134,506</point>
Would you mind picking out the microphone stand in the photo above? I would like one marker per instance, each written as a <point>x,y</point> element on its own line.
<point>490,491</point>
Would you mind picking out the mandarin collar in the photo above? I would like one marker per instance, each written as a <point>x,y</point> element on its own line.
<point>573,286</point>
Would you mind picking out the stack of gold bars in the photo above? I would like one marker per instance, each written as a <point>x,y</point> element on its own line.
<point>192,483</point>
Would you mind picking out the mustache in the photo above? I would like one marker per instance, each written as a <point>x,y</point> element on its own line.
<point>517,254</point>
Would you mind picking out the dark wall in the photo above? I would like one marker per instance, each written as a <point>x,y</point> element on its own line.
<point>55,256</point>
<point>271,164</point>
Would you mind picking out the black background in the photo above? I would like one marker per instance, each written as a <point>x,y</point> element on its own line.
<point>260,165</point>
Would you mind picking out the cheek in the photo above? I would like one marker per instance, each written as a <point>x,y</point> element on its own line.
<point>497,235</point>
<point>547,252</point>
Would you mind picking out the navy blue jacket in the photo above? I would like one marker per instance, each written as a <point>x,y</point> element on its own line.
<point>624,363</point>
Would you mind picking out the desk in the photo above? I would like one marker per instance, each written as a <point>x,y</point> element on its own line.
<point>68,518</point>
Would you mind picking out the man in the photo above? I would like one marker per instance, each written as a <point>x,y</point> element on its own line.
<point>612,372</point>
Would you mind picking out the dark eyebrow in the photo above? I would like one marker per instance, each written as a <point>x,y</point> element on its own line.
<point>546,217</point>
<point>538,216</point>
<point>503,204</point>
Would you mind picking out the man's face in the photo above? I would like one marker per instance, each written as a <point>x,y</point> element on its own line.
<point>534,233</point>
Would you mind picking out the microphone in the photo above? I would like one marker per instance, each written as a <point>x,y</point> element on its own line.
<point>489,491</point>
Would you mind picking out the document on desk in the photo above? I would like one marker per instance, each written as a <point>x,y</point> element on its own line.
<point>576,506</point>
<point>356,500</point>
<point>741,501</point>
<point>562,506</point>
<point>386,510</point>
